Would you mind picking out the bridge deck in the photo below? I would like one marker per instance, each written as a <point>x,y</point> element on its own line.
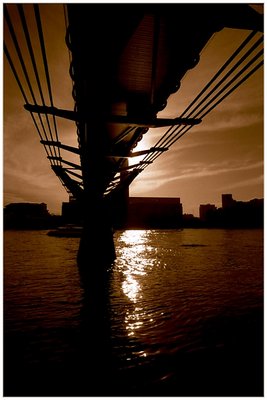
<point>126,61</point>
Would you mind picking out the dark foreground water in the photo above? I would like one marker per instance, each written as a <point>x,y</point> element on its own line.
<point>180,314</point>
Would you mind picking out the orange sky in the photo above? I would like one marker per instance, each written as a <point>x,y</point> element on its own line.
<point>224,154</point>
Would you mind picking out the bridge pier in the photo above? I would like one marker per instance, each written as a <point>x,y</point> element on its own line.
<point>96,244</point>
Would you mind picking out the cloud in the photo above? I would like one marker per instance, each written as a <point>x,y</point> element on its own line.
<point>231,117</point>
<point>152,180</point>
<point>36,187</point>
<point>258,180</point>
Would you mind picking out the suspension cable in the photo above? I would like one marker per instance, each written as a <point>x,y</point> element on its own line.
<point>182,133</point>
<point>199,113</point>
<point>212,107</point>
<point>245,56</point>
<point>173,134</point>
<point>23,94</point>
<point>161,141</point>
<point>42,43</point>
<point>225,65</point>
<point>29,44</point>
<point>15,41</point>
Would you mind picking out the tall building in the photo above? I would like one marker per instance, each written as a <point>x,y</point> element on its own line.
<point>206,210</point>
<point>238,214</point>
<point>227,201</point>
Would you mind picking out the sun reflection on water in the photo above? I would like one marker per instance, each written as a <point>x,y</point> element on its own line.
<point>131,287</point>
<point>135,259</point>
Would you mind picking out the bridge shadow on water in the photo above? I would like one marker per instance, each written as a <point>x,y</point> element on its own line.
<point>77,359</point>
<point>94,377</point>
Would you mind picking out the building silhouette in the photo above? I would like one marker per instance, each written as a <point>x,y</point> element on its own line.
<point>154,212</point>
<point>140,212</point>
<point>227,201</point>
<point>71,212</point>
<point>28,216</point>
<point>233,214</point>
<point>205,210</point>
<point>167,213</point>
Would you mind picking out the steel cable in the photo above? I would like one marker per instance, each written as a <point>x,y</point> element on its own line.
<point>166,141</point>
<point>230,59</point>
<point>31,52</point>
<point>23,66</point>
<point>173,134</point>
<point>24,94</point>
<point>182,133</point>
<point>225,65</point>
<point>199,113</point>
<point>42,43</point>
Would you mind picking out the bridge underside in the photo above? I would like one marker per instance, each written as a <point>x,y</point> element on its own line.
<point>127,59</point>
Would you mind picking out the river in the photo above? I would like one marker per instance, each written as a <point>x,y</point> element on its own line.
<point>179,314</point>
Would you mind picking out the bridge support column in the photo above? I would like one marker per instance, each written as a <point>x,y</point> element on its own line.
<point>97,244</point>
<point>118,205</point>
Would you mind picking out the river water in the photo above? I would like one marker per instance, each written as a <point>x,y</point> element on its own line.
<point>180,314</point>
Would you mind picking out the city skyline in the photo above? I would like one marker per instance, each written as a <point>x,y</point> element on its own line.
<point>218,205</point>
<point>224,154</point>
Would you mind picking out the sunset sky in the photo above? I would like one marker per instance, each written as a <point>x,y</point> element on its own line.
<point>224,154</point>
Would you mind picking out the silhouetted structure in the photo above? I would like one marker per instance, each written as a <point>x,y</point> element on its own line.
<point>71,212</point>
<point>190,221</point>
<point>28,216</point>
<point>154,213</point>
<point>137,212</point>
<point>233,214</point>
<point>227,201</point>
<point>205,210</point>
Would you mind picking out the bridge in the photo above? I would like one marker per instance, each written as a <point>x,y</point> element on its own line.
<point>125,62</point>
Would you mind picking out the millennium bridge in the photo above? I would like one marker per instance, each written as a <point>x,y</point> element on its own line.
<point>125,62</point>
